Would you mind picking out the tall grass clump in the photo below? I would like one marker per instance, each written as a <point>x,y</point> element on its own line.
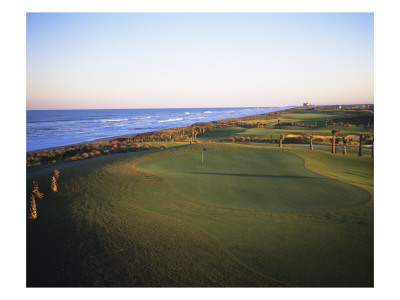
<point>32,213</point>
<point>54,184</point>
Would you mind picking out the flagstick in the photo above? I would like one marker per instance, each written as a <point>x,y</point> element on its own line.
<point>202,156</point>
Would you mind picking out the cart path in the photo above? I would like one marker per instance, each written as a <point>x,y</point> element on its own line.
<point>68,164</point>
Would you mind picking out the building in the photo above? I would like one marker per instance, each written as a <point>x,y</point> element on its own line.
<point>306,104</point>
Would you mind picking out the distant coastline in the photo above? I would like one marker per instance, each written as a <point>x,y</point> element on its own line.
<point>169,119</point>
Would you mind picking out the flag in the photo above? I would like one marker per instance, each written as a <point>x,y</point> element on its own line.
<point>204,149</point>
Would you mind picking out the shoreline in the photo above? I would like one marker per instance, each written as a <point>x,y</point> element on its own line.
<point>110,138</point>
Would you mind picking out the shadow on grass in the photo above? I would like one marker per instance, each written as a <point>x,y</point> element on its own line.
<point>256,175</point>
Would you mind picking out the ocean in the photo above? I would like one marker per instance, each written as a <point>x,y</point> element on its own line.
<point>52,128</point>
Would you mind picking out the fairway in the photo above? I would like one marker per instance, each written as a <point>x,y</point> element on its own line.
<point>254,179</point>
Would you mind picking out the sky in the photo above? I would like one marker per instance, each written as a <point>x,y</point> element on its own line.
<point>170,60</point>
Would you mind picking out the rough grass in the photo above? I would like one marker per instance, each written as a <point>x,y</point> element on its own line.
<point>112,224</point>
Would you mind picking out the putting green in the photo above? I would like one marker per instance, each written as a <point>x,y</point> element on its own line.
<point>255,179</point>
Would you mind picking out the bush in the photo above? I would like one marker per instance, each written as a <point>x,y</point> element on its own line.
<point>85,155</point>
<point>97,153</point>
<point>163,146</point>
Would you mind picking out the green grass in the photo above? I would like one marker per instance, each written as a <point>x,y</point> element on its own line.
<point>312,116</point>
<point>295,117</point>
<point>113,224</point>
<point>254,179</point>
<point>267,132</point>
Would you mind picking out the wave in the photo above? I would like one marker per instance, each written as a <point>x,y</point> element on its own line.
<point>187,113</point>
<point>112,120</point>
<point>207,112</point>
<point>139,118</point>
<point>171,120</point>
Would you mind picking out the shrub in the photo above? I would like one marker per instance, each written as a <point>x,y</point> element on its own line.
<point>163,146</point>
<point>32,208</point>
<point>85,155</point>
<point>35,190</point>
<point>97,153</point>
<point>91,154</point>
<point>106,152</point>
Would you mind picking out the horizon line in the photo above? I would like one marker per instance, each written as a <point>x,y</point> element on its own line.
<point>201,107</point>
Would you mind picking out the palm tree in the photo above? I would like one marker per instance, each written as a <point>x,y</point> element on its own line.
<point>334,133</point>
<point>359,149</point>
<point>281,138</point>
<point>311,140</point>
<point>337,140</point>
<point>345,141</point>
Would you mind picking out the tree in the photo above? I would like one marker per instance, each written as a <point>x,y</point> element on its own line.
<point>281,138</point>
<point>359,148</point>
<point>311,144</point>
<point>337,144</point>
<point>345,142</point>
<point>334,133</point>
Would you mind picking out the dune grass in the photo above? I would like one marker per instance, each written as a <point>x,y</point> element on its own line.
<point>112,224</point>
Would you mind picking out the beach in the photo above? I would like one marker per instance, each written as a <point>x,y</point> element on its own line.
<point>47,130</point>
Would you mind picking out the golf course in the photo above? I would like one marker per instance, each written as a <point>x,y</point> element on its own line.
<point>211,214</point>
